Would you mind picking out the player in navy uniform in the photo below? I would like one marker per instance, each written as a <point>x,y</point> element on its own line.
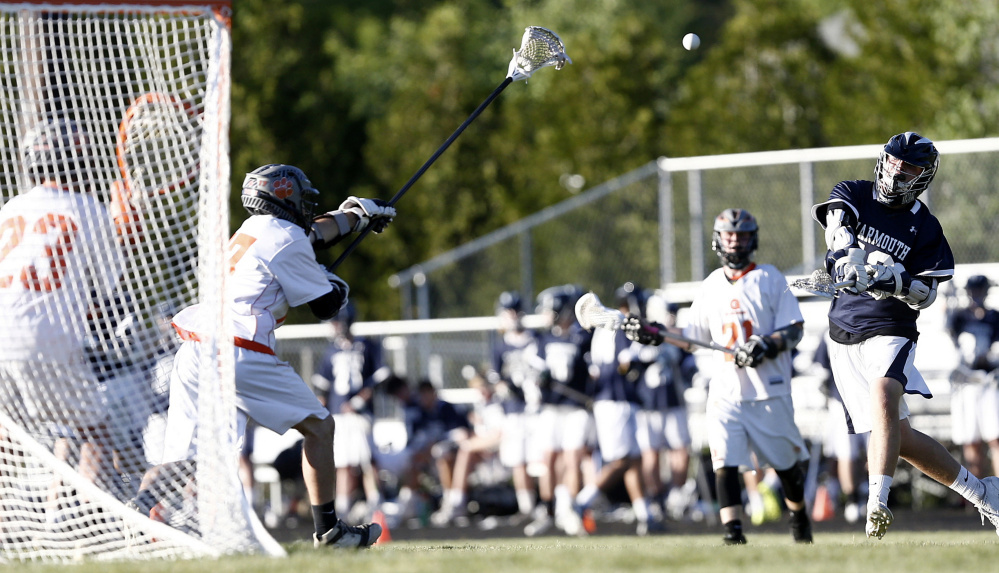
<point>974,392</point>
<point>885,242</point>
<point>565,427</point>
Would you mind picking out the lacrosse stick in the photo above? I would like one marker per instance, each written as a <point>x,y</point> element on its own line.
<point>539,48</point>
<point>591,313</point>
<point>821,283</point>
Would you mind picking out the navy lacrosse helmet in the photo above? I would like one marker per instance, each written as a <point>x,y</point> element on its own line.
<point>905,168</point>
<point>735,221</point>
<point>509,300</point>
<point>631,296</point>
<point>559,300</point>
<point>282,191</point>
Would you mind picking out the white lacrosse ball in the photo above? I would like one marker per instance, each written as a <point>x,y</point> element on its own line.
<point>691,41</point>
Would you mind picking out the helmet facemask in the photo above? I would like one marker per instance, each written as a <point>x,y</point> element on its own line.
<point>735,221</point>
<point>905,169</point>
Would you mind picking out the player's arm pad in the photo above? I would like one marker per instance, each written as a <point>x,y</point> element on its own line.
<point>787,338</point>
<point>319,239</point>
<point>839,219</point>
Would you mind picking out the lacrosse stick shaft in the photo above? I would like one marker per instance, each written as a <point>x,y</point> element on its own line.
<point>573,394</point>
<point>353,245</point>
<point>680,338</point>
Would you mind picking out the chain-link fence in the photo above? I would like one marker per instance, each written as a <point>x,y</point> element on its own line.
<point>652,225</point>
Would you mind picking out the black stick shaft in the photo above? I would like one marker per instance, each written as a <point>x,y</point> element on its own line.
<point>350,248</point>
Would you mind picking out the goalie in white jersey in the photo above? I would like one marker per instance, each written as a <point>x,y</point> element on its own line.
<point>272,266</point>
<point>747,307</point>
<point>59,261</point>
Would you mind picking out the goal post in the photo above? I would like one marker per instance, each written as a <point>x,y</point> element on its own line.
<point>114,120</point>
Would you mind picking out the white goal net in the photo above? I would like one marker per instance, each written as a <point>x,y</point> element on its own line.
<point>115,179</point>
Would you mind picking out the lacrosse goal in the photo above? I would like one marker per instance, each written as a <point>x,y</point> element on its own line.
<point>114,119</point>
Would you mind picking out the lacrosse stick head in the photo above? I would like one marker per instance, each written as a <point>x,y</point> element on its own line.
<point>819,283</point>
<point>592,314</point>
<point>540,48</point>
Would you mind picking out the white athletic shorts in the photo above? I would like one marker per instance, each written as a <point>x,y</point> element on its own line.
<point>513,446</point>
<point>839,443</point>
<point>352,441</point>
<point>616,429</point>
<point>46,393</point>
<point>855,366</point>
<point>563,428</point>
<point>974,413</point>
<point>663,429</point>
<point>267,390</point>
<point>762,426</point>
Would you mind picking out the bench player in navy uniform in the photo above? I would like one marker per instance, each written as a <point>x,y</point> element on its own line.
<point>884,240</point>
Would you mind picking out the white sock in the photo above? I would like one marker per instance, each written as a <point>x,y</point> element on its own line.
<point>970,487</point>
<point>525,501</point>
<point>879,486</point>
<point>586,496</point>
<point>343,505</point>
<point>457,499</point>
<point>641,507</point>
<point>755,503</point>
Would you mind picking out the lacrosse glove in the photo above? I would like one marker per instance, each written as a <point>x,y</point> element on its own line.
<point>637,330</point>
<point>374,212</point>
<point>755,351</point>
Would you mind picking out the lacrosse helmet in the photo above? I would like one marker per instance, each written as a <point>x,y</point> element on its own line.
<point>631,296</point>
<point>509,300</point>
<point>559,301</point>
<point>977,288</point>
<point>735,221</point>
<point>905,168</point>
<point>282,191</point>
<point>56,150</point>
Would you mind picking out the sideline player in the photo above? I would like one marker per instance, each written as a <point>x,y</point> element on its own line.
<point>872,229</point>
<point>747,307</point>
<point>272,267</point>
<point>974,388</point>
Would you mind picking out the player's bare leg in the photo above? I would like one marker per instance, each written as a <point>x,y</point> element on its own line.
<point>319,474</point>
<point>883,452</point>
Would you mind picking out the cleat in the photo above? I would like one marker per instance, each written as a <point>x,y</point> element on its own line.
<point>343,535</point>
<point>571,523</point>
<point>989,506</point>
<point>589,522</point>
<point>801,527</point>
<point>650,527</point>
<point>734,539</point>
<point>539,526</point>
<point>878,521</point>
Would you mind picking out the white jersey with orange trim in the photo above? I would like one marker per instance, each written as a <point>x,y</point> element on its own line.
<point>728,313</point>
<point>58,249</point>
<point>272,267</point>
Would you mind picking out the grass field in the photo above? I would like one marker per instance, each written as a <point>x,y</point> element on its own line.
<point>939,552</point>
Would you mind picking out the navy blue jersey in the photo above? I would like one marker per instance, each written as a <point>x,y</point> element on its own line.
<point>565,360</point>
<point>606,352</point>
<point>912,237</point>
<point>511,365</point>
<point>427,427</point>
<point>348,366</point>
<point>983,325</point>
<point>663,372</point>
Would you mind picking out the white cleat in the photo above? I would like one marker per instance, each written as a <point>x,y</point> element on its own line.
<point>989,506</point>
<point>349,536</point>
<point>539,526</point>
<point>878,521</point>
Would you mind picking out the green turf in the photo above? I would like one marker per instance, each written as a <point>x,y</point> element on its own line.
<point>940,552</point>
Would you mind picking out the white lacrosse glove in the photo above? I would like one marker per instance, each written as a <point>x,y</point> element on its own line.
<point>374,212</point>
<point>887,279</point>
<point>850,267</point>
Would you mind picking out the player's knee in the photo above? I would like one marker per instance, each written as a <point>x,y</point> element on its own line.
<point>315,427</point>
<point>792,480</point>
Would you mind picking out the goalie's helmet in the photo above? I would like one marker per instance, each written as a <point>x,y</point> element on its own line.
<point>282,191</point>
<point>905,168</point>
<point>631,296</point>
<point>559,301</point>
<point>57,150</point>
<point>735,221</point>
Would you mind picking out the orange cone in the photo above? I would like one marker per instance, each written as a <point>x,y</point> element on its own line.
<point>379,517</point>
<point>824,509</point>
<point>589,523</point>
